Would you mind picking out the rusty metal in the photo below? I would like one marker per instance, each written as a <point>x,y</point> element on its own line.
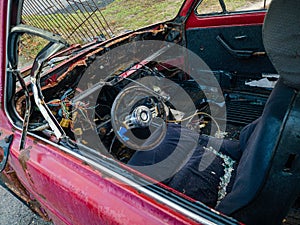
<point>57,43</point>
<point>81,61</point>
<point>27,109</point>
<point>43,55</point>
<point>13,184</point>
<point>77,21</point>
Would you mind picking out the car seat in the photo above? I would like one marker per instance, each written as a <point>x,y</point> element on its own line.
<point>268,176</point>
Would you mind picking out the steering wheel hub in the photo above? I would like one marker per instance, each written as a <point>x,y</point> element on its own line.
<point>140,117</point>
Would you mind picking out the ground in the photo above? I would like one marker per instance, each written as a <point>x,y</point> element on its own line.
<point>14,212</point>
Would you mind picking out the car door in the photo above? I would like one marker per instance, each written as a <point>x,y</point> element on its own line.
<point>64,184</point>
<point>227,35</point>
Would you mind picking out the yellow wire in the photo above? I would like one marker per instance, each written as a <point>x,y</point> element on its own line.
<point>195,114</point>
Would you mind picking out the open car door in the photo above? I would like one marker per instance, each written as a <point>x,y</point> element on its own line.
<point>229,31</point>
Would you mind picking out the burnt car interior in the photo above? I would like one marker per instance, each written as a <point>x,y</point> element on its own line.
<point>122,93</point>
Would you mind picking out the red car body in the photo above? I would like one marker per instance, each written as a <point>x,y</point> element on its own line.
<point>66,188</point>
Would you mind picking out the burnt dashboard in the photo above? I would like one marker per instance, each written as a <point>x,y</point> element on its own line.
<point>118,104</point>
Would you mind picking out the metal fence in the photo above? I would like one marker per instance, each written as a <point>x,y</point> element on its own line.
<point>76,20</point>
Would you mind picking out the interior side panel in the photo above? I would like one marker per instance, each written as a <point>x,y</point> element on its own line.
<point>206,42</point>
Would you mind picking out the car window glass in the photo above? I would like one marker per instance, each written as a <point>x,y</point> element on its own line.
<point>214,7</point>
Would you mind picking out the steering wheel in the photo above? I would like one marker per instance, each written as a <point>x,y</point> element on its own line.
<point>138,118</point>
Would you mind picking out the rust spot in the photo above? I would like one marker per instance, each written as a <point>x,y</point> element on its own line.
<point>42,196</point>
<point>35,206</point>
<point>119,40</point>
<point>20,105</point>
<point>24,157</point>
<point>62,77</point>
<point>1,155</point>
<point>85,163</point>
<point>30,177</point>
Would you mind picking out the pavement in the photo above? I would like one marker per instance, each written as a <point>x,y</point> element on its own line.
<point>14,212</point>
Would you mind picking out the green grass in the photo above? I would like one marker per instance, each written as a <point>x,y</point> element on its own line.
<point>29,46</point>
<point>130,15</point>
<point>122,15</point>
